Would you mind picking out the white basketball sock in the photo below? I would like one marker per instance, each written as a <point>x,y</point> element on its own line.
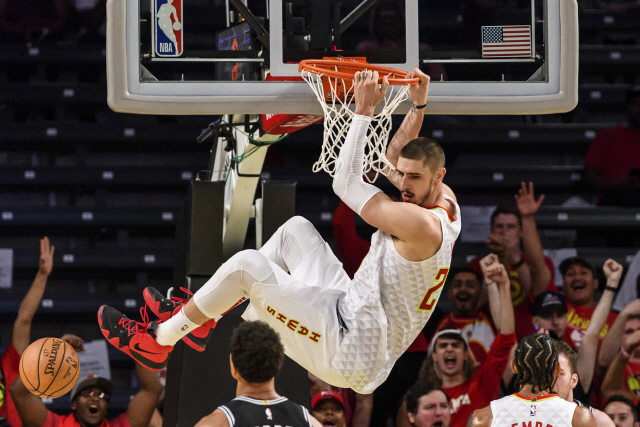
<point>172,331</point>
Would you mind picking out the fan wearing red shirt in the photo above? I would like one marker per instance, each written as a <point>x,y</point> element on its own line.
<point>464,292</point>
<point>90,400</point>
<point>10,360</point>
<point>623,375</point>
<point>530,272</point>
<point>449,360</point>
<point>612,163</point>
<point>579,284</point>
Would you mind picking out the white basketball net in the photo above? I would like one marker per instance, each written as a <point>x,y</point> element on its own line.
<point>337,120</point>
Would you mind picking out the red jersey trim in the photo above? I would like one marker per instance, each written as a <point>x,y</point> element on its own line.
<point>451,219</point>
<point>535,398</point>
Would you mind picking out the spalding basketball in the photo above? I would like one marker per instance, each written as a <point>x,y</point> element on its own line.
<point>49,367</point>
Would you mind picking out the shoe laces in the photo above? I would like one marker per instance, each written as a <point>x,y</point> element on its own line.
<point>181,301</point>
<point>134,327</point>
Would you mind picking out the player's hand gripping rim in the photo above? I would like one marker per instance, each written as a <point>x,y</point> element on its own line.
<point>367,92</point>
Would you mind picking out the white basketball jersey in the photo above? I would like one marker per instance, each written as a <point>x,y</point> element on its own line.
<point>542,411</point>
<point>388,303</point>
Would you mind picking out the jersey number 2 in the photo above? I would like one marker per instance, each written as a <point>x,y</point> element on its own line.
<point>429,301</point>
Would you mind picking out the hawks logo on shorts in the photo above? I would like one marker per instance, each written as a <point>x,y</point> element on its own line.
<point>168,27</point>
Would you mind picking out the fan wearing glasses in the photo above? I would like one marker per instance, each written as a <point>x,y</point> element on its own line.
<point>89,401</point>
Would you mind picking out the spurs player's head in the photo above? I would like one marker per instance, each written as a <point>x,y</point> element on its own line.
<point>421,166</point>
<point>428,405</point>
<point>256,353</point>
<point>568,377</point>
<point>536,363</point>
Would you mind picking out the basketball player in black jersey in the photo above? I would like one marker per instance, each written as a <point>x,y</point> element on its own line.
<point>256,357</point>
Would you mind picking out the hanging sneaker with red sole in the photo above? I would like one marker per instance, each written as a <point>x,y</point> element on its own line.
<point>165,308</point>
<point>136,339</point>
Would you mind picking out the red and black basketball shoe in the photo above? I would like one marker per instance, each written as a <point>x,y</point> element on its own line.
<point>137,339</point>
<point>165,308</point>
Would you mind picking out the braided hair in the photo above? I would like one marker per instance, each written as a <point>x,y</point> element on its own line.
<point>535,359</point>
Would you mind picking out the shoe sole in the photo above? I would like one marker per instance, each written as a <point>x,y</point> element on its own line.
<point>150,364</point>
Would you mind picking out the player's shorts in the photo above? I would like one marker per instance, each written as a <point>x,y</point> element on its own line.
<point>340,338</point>
<point>303,308</point>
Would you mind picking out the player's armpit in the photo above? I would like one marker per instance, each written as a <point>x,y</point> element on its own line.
<point>582,417</point>
<point>406,221</point>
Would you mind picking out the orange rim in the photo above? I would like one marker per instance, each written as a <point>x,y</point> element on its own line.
<point>345,70</point>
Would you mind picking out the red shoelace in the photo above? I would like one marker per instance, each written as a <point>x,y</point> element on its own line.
<point>134,327</point>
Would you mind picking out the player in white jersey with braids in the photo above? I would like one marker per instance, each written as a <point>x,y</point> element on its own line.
<point>347,332</point>
<point>534,405</point>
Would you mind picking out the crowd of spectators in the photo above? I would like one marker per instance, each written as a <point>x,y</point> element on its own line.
<point>90,396</point>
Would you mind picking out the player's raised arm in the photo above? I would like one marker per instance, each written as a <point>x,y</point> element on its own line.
<point>411,125</point>
<point>406,221</point>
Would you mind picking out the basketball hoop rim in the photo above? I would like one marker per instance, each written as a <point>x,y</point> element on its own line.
<point>347,69</point>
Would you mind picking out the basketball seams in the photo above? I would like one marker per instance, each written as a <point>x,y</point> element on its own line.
<point>64,344</point>
<point>66,385</point>
<point>25,373</point>
<point>39,354</point>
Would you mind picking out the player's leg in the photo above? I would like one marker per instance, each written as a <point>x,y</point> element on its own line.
<point>231,284</point>
<point>291,243</point>
<point>298,248</point>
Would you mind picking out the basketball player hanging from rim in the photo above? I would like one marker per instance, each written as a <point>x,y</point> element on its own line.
<point>537,367</point>
<point>348,333</point>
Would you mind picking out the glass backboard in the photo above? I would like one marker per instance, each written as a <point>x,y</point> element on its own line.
<point>235,56</point>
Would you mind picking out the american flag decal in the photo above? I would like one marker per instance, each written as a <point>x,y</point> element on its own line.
<point>506,42</point>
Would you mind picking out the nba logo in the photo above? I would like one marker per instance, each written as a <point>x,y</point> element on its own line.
<point>168,27</point>
<point>532,411</point>
<point>269,414</point>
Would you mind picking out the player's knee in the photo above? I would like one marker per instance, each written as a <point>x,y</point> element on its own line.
<point>298,224</point>
<point>253,263</point>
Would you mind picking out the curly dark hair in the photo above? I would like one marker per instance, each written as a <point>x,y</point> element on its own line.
<point>419,389</point>
<point>536,358</point>
<point>256,351</point>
